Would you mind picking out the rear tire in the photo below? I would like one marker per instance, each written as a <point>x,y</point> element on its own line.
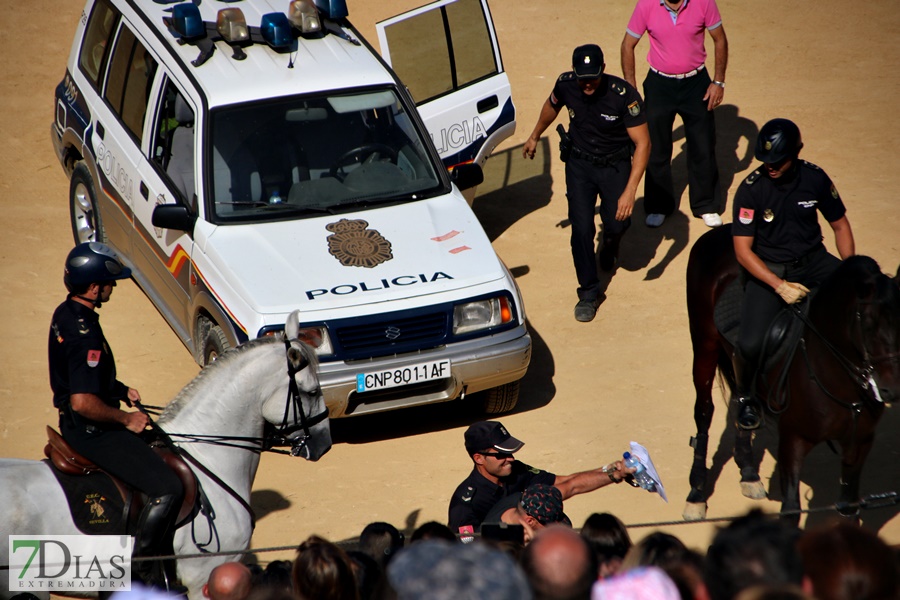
<point>85,217</point>
<point>502,398</point>
<point>215,344</point>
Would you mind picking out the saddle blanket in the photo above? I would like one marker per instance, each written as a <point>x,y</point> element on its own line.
<point>94,501</point>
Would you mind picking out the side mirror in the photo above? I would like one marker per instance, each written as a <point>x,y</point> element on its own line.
<point>467,175</point>
<point>173,216</point>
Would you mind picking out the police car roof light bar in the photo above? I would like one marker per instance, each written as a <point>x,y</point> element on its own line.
<point>303,15</point>
<point>187,22</point>
<point>276,30</point>
<point>231,24</point>
<point>332,9</point>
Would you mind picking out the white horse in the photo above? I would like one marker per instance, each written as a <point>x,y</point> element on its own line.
<point>229,402</point>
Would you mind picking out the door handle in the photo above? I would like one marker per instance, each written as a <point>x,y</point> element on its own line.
<point>145,192</point>
<point>487,103</point>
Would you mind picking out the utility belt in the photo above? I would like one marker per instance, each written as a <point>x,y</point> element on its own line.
<point>779,268</point>
<point>602,160</point>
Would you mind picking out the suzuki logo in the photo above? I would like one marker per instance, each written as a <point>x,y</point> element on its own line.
<point>392,333</point>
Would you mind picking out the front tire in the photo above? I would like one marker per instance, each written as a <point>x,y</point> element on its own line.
<point>502,398</point>
<point>215,344</point>
<point>86,223</point>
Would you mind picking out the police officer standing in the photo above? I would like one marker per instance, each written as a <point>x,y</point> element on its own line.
<point>88,396</point>
<point>610,146</point>
<point>778,243</point>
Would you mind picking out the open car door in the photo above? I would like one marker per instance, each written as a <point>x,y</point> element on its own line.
<point>447,55</point>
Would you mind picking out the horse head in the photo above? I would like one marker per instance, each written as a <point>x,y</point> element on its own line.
<point>302,421</point>
<point>864,308</point>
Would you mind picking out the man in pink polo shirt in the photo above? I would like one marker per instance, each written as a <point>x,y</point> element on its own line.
<point>679,84</point>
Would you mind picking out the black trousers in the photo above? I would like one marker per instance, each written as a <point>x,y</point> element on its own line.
<point>666,97</point>
<point>123,454</point>
<point>760,304</point>
<point>584,182</point>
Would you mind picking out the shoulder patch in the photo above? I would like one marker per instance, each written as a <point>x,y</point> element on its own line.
<point>810,165</point>
<point>634,109</point>
<point>753,177</point>
<point>567,76</point>
<point>468,494</point>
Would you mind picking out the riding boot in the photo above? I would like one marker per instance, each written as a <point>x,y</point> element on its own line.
<point>749,414</point>
<point>609,254</point>
<point>154,538</point>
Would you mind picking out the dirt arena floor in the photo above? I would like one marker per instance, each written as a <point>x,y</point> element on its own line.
<point>591,388</point>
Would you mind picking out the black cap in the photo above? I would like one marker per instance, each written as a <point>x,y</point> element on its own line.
<point>587,61</point>
<point>490,434</point>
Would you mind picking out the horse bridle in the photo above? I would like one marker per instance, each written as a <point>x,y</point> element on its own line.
<point>277,436</point>
<point>281,435</point>
<point>864,376</point>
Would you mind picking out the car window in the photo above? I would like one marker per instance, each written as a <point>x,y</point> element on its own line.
<point>173,141</point>
<point>97,35</point>
<point>128,81</point>
<point>442,50</point>
<point>283,158</point>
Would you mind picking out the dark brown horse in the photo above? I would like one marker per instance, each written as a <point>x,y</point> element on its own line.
<point>831,385</point>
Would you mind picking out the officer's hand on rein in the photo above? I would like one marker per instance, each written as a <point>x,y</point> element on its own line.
<point>791,292</point>
<point>135,422</point>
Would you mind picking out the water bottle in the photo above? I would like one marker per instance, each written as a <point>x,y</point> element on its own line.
<point>640,474</point>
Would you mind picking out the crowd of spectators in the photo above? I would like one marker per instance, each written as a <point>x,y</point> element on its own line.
<point>755,557</point>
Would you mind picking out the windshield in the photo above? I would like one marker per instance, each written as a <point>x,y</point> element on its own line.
<point>291,157</point>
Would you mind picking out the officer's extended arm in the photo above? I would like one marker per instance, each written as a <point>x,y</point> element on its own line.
<point>588,481</point>
<point>92,407</point>
<point>545,119</point>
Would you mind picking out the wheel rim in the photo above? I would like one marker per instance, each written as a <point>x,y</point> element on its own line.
<point>83,215</point>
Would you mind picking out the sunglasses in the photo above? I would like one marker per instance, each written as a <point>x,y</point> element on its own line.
<point>497,455</point>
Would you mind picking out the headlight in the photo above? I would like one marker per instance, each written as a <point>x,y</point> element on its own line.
<point>481,314</point>
<point>318,338</point>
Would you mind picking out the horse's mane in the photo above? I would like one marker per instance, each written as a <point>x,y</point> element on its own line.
<point>216,369</point>
<point>852,273</point>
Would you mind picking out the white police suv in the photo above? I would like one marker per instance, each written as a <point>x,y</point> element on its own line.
<point>249,157</point>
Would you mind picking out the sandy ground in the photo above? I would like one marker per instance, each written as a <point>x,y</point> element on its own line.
<point>591,387</point>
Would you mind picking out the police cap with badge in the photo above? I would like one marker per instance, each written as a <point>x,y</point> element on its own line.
<point>490,434</point>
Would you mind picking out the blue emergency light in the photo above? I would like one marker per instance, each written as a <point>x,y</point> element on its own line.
<point>276,30</point>
<point>186,20</point>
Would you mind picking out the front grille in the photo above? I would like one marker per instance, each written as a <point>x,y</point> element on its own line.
<point>393,335</point>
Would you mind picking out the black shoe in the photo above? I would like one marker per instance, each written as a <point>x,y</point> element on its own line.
<point>585,310</point>
<point>748,414</point>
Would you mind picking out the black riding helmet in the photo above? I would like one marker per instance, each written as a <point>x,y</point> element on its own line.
<point>778,139</point>
<point>92,262</point>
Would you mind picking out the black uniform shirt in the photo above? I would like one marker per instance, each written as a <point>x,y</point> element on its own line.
<point>475,496</point>
<point>80,359</point>
<point>598,123</point>
<point>780,214</point>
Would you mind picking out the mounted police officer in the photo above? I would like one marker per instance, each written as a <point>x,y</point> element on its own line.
<point>606,156</point>
<point>778,243</point>
<point>88,396</point>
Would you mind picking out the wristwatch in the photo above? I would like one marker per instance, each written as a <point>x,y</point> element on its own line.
<point>721,84</point>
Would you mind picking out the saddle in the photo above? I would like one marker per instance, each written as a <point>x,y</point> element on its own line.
<point>780,341</point>
<point>87,486</point>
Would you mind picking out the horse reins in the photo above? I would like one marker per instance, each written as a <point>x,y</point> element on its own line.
<point>280,436</point>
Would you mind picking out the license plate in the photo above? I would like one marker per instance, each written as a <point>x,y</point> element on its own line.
<point>388,378</point>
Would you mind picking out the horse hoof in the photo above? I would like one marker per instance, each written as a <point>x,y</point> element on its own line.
<point>754,490</point>
<point>694,511</point>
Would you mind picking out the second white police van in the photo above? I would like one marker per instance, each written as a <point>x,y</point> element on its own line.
<point>246,158</point>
